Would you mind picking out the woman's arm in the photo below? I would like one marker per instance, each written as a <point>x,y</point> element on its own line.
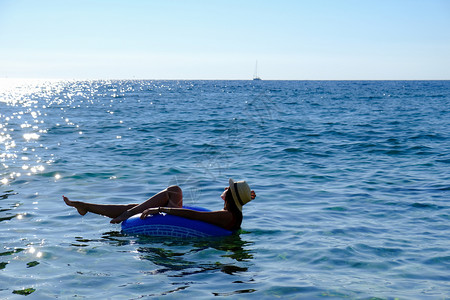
<point>221,218</point>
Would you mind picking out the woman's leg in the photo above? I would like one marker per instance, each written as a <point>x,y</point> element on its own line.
<point>109,210</point>
<point>171,197</point>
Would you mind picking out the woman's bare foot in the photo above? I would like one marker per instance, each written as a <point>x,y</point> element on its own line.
<point>78,205</point>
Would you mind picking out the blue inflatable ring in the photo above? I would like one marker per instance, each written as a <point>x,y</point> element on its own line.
<point>172,226</point>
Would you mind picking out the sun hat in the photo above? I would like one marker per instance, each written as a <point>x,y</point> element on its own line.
<point>241,192</point>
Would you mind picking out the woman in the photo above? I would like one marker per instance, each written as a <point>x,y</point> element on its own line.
<point>170,201</point>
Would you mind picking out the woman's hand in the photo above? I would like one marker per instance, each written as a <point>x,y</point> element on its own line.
<point>149,211</point>
<point>120,218</point>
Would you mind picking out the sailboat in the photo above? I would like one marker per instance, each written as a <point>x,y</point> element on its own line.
<point>255,76</point>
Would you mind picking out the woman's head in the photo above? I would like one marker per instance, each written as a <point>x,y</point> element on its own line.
<point>229,201</point>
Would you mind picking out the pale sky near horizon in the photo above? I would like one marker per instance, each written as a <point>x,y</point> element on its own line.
<point>193,39</point>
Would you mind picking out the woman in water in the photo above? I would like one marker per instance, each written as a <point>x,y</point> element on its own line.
<point>170,201</point>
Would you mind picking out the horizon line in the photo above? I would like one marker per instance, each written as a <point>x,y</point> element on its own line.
<point>199,79</point>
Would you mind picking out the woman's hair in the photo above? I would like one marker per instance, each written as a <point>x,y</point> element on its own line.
<point>234,209</point>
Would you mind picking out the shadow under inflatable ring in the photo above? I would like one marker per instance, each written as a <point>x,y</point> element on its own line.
<point>166,225</point>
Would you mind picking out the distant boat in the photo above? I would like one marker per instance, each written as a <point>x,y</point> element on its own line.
<point>255,76</point>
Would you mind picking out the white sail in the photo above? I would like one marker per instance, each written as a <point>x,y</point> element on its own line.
<point>255,75</point>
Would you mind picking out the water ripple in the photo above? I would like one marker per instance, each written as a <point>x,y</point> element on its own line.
<point>351,180</point>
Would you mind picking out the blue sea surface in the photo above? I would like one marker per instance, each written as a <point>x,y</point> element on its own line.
<point>352,181</point>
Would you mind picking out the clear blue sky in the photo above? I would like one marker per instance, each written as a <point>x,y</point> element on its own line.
<point>183,39</point>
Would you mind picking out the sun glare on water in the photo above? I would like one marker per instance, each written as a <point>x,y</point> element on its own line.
<point>22,125</point>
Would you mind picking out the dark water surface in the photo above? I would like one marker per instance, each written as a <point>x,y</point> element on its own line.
<point>352,182</point>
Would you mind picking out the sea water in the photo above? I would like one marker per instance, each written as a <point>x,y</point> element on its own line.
<point>352,181</point>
